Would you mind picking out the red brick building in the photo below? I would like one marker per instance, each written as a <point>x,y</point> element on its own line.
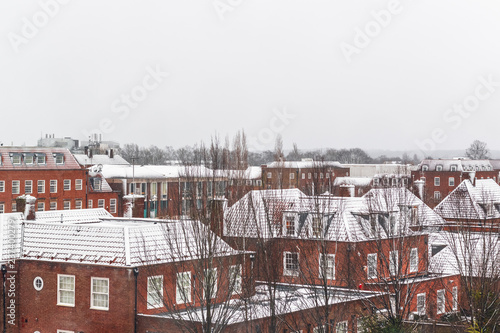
<point>54,178</point>
<point>311,177</point>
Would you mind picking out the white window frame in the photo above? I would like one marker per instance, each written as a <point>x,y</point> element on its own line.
<point>16,159</point>
<point>65,331</point>
<point>78,184</point>
<point>41,205</point>
<point>421,309</point>
<point>101,203</point>
<point>95,293</point>
<point>329,266</point>
<point>78,204</point>
<point>210,278</point>
<point>235,278</point>
<point>2,208</point>
<point>70,291</point>
<point>317,226</point>
<point>414,260</point>
<point>53,186</point>
<point>41,158</point>
<point>269,175</point>
<point>67,185</point>
<point>451,181</point>
<point>183,288</point>
<point>440,301</point>
<point>437,181</point>
<point>439,167</point>
<point>292,175</point>
<point>155,292</point>
<point>40,186</point>
<point>341,327</point>
<point>28,186</point>
<point>303,175</point>
<point>286,230</point>
<point>288,270</point>
<point>66,205</point>
<point>437,195</point>
<point>54,204</point>
<point>454,303</point>
<point>112,205</point>
<point>38,283</point>
<point>16,187</point>
<point>14,206</point>
<point>393,262</point>
<point>371,270</point>
<point>90,203</point>
<point>2,186</point>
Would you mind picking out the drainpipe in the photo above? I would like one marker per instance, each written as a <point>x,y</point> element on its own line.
<point>136,273</point>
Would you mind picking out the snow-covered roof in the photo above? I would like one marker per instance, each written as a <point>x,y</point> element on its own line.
<point>287,298</point>
<point>370,170</point>
<point>467,253</point>
<point>119,242</point>
<point>460,164</point>
<point>260,214</point>
<point>304,164</point>
<point>468,201</point>
<point>252,172</point>
<point>73,215</point>
<point>356,181</point>
<point>7,154</point>
<point>155,171</point>
<point>84,160</point>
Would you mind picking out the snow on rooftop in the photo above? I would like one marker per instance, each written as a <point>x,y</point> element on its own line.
<point>85,160</point>
<point>72,215</point>
<point>356,181</point>
<point>155,171</point>
<point>304,164</point>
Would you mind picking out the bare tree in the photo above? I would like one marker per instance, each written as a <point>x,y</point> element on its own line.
<point>477,151</point>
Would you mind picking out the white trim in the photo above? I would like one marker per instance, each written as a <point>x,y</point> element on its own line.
<point>92,306</point>
<point>59,276</point>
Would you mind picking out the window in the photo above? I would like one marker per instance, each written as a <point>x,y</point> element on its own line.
<point>64,331</point>
<point>321,175</point>
<point>183,288</point>
<point>155,291</point>
<point>440,301</point>
<point>327,175</point>
<point>451,181</point>
<point>317,227</point>
<point>394,181</point>
<point>269,175</point>
<point>437,195</point>
<point>40,206</point>
<point>41,186</point>
<point>14,206</point>
<point>53,186</point>
<point>16,159</point>
<point>291,264</point>
<point>40,158</point>
<point>53,205</point>
<point>425,167</point>
<point>376,181</point>
<point>413,260</point>
<point>28,186</point>
<point>28,158</point>
<point>235,278</point>
<point>2,186</point>
<point>154,189</point>
<point>421,304</point>
<point>59,158</point>
<point>341,327</point>
<point>96,184</point>
<point>89,205</point>
<point>292,175</point>
<point>372,266</point>
<point>289,225</point>
<point>439,167</point>
<point>2,208</point>
<point>78,204</point>
<point>67,185</point>
<point>67,205</point>
<point>78,184</point>
<point>437,181</point>
<point>112,205</point>
<point>320,329</point>
<point>66,290</point>
<point>100,203</point>
<point>99,295</point>
<point>309,175</point>
<point>210,283</point>
<point>454,303</point>
<point>16,187</point>
<point>393,262</point>
<point>327,266</point>
<point>453,168</point>
<point>303,175</point>
<point>38,283</point>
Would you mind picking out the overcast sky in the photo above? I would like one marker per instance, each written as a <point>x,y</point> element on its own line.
<point>370,74</point>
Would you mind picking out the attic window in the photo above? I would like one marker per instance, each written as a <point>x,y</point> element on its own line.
<point>425,167</point>
<point>59,158</point>
<point>40,158</point>
<point>16,159</point>
<point>28,158</point>
<point>289,225</point>
<point>439,167</point>
<point>453,167</point>
<point>96,183</point>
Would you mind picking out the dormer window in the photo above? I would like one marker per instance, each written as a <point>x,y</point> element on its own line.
<point>453,167</point>
<point>289,224</point>
<point>96,183</point>
<point>28,158</point>
<point>439,167</point>
<point>425,167</point>
<point>40,158</point>
<point>59,158</point>
<point>317,226</point>
<point>16,159</point>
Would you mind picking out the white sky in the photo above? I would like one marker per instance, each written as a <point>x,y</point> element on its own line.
<point>236,72</point>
